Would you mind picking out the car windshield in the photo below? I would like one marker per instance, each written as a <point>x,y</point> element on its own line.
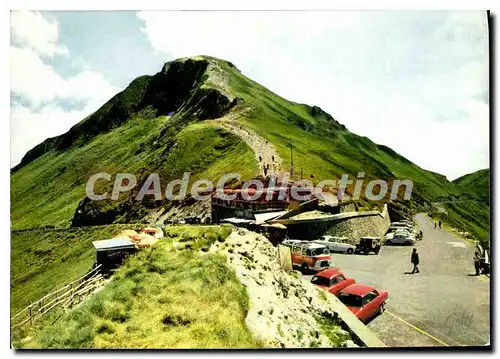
<point>351,300</point>
<point>318,280</point>
<point>319,251</point>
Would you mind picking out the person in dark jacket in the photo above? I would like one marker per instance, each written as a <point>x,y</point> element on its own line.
<point>477,262</point>
<point>415,260</point>
<point>440,224</point>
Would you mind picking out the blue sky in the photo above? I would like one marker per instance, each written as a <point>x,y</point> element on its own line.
<point>414,81</point>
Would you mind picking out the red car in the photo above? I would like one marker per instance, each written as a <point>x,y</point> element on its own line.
<point>363,300</point>
<point>332,280</point>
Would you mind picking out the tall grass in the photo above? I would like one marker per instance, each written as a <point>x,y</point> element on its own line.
<point>43,260</point>
<point>161,298</point>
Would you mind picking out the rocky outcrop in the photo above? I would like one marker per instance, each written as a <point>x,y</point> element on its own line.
<point>196,88</point>
<point>283,311</point>
<point>318,113</point>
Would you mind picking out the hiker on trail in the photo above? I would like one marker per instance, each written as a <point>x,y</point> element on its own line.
<point>435,225</point>
<point>439,224</point>
<point>415,260</point>
<point>477,262</point>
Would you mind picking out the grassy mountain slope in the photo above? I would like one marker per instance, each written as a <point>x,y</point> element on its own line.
<point>165,283</point>
<point>162,124</point>
<point>43,259</point>
<point>470,216</point>
<point>48,190</point>
<point>471,211</point>
<point>477,183</point>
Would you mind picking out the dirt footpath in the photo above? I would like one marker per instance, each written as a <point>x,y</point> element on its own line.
<point>265,153</point>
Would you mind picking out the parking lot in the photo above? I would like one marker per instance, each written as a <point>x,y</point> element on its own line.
<point>443,305</point>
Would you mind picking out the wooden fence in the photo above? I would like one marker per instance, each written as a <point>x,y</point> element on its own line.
<point>65,297</point>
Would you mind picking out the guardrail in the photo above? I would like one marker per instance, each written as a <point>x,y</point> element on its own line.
<point>66,297</point>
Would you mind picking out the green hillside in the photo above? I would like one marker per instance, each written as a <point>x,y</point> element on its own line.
<point>164,282</point>
<point>471,210</point>
<point>476,184</point>
<point>164,124</point>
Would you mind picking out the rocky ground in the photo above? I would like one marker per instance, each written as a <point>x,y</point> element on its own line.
<point>283,310</point>
<point>200,209</point>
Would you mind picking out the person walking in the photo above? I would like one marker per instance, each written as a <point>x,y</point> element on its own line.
<point>477,262</point>
<point>415,261</point>
<point>439,224</point>
<point>435,225</point>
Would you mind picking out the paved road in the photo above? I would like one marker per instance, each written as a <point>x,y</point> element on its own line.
<point>443,305</point>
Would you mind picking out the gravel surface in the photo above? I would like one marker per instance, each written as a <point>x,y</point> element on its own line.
<point>442,305</point>
<point>283,310</point>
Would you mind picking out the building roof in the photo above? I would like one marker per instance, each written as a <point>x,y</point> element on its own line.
<point>312,244</point>
<point>115,243</point>
<point>358,289</point>
<point>266,216</point>
<point>234,220</point>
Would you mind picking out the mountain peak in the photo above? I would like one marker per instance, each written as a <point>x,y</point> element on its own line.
<point>201,58</point>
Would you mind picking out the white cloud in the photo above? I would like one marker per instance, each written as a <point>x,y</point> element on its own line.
<point>415,81</point>
<point>40,88</point>
<point>30,127</point>
<point>34,31</point>
<point>39,83</point>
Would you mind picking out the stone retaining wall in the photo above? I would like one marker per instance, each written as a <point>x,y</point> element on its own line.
<point>357,227</point>
<point>374,225</point>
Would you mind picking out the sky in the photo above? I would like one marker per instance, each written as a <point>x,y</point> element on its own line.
<point>417,82</point>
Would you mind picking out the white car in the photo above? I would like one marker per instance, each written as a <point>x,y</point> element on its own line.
<point>389,236</point>
<point>401,225</point>
<point>336,244</point>
<point>397,227</point>
<point>401,237</point>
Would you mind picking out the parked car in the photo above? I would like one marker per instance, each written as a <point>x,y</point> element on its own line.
<point>310,256</point>
<point>363,300</point>
<point>407,221</point>
<point>333,280</point>
<point>368,244</point>
<point>388,236</point>
<point>397,226</point>
<point>192,220</point>
<point>336,244</point>
<point>401,237</point>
